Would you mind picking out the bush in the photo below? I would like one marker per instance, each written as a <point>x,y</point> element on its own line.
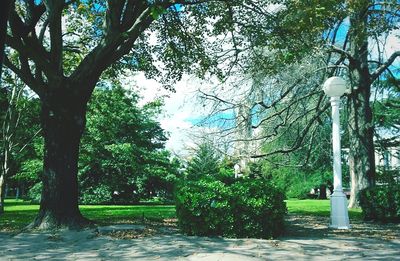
<point>381,203</point>
<point>246,208</point>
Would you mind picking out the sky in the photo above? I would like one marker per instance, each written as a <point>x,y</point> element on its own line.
<point>179,112</point>
<point>182,110</point>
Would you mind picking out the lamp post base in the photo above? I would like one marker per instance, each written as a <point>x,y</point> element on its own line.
<point>339,212</point>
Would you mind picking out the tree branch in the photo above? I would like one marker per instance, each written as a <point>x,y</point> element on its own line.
<point>26,76</point>
<point>384,66</point>
<point>54,10</point>
<point>299,139</point>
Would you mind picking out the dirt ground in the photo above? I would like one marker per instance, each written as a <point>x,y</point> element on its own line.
<point>306,238</point>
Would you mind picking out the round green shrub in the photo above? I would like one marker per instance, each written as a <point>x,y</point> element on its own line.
<point>247,208</point>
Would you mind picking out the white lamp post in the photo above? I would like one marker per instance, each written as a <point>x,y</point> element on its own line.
<point>335,87</point>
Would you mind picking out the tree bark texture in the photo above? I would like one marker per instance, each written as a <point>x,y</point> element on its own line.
<point>360,125</point>
<point>63,124</point>
<point>361,155</point>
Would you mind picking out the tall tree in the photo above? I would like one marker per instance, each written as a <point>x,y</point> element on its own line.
<point>349,33</point>
<point>368,19</point>
<point>62,61</point>
<point>18,128</point>
<point>122,145</point>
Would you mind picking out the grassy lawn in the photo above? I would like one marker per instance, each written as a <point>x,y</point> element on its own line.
<point>19,213</point>
<point>316,208</point>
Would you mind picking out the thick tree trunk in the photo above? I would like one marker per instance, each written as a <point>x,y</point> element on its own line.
<point>63,125</point>
<point>361,156</point>
<point>360,126</point>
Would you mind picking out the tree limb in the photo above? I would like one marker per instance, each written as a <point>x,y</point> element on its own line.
<point>384,66</point>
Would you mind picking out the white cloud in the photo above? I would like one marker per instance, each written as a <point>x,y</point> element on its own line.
<point>180,107</point>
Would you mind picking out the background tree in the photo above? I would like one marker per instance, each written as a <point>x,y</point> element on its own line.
<point>205,162</point>
<point>19,129</point>
<point>123,149</point>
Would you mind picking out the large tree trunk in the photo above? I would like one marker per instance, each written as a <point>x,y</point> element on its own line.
<point>361,156</point>
<point>63,125</point>
<point>360,126</point>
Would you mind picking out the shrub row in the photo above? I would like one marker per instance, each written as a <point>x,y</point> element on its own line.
<point>247,208</point>
<point>381,203</point>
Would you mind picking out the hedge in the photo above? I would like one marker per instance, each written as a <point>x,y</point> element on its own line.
<point>247,208</point>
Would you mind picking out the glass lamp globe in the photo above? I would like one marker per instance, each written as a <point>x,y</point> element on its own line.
<point>334,86</point>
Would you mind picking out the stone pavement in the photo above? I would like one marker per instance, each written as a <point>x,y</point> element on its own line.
<point>105,243</point>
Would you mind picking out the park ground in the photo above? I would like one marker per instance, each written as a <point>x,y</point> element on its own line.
<point>150,233</point>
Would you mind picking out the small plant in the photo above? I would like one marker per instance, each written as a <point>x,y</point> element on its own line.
<point>246,208</point>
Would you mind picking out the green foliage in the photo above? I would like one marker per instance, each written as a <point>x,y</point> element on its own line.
<point>30,171</point>
<point>20,213</point>
<point>297,183</point>
<point>20,133</point>
<point>204,163</point>
<point>35,193</point>
<point>247,208</point>
<point>381,203</point>
<point>123,150</point>
<point>97,195</point>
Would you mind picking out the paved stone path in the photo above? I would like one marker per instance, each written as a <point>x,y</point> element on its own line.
<point>139,242</point>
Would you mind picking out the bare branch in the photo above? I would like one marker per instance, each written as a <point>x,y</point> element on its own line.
<point>300,138</point>
<point>384,66</point>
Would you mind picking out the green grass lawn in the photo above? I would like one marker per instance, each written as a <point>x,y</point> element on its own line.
<point>19,213</point>
<point>316,208</point>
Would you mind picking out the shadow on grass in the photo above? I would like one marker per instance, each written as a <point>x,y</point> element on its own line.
<point>16,220</point>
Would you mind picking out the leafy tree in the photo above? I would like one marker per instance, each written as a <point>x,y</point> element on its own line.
<point>349,29</point>
<point>123,148</point>
<point>335,35</point>
<point>63,64</point>
<point>19,129</point>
